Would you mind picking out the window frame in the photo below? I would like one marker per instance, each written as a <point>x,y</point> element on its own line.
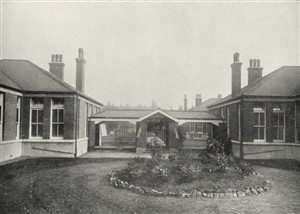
<point>18,117</point>
<point>57,107</point>
<point>260,111</point>
<point>38,107</point>
<point>281,111</point>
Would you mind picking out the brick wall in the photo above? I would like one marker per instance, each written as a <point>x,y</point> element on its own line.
<point>9,117</point>
<point>70,117</point>
<point>82,119</point>
<point>248,122</point>
<point>91,142</point>
<point>233,122</point>
<point>290,122</point>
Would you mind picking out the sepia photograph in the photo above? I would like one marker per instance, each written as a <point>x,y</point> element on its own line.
<point>149,106</point>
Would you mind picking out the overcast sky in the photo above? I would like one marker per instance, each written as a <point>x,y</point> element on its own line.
<point>139,51</point>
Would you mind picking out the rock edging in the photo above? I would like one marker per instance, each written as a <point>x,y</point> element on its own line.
<point>116,182</point>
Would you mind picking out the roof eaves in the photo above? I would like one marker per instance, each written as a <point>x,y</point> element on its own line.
<point>20,88</point>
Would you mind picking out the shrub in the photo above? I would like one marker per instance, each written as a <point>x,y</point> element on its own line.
<point>205,157</point>
<point>156,156</point>
<point>135,168</point>
<point>162,173</point>
<point>187,172</point>
<point>214,147</point>
<point>173,157</point>
<point>219,146</point>
<point>222,162</point>
<point>246,168</point>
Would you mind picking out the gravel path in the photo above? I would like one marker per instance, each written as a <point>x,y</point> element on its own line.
<point>81,186</point>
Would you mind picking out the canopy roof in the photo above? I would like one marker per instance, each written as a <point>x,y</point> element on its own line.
<point>140,115</point>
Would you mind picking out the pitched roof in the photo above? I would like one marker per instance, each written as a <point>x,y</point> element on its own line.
<point>283,82</point>
<point>203,106</point>
<point>137,114</point>
<point>25,76</point>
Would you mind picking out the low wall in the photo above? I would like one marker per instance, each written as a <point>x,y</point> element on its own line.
<point>48,148</point>
<point>267,150</point>
<point>10,149</point>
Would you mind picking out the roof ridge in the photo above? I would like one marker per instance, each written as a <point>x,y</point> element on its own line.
<point>262,80</point>
<point>11,80</point>
<point>52,76</point>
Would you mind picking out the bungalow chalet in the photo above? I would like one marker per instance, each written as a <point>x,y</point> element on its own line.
<point>145,129</point>
<point>40,114</point>
<point>263,117</point>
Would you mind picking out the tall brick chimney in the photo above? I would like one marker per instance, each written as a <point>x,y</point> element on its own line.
<point>80,70</point>
<point>198,100</point>
<point>185,103</point>
<point>254,71</point>
<point>236,75</point>
<point>56,66</point>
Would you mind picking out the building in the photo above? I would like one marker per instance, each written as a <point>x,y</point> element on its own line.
<point>40,114</point>
<point>146,129</point>
<point>264,115</point>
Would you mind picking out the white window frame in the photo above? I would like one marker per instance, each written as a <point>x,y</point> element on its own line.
<point>18,110</point>
<point>35,107</point>
<point>1,115</point>
<point>260,111</point>
<point>222,112</point>
<point>56,107</point>
<point>280,111</point>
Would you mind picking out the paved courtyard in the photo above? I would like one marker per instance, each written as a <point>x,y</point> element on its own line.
<point>81,186</point>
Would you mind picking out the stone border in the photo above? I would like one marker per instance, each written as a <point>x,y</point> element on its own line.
<point>116,182</point>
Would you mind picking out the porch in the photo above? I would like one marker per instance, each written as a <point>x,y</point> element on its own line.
<point>144,130</point>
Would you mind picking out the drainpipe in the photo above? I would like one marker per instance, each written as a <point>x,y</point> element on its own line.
<point>296,134</point>
<point>77,126</point>
<point>242,127</point>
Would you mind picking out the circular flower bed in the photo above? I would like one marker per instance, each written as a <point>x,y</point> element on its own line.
<point>207,176</point>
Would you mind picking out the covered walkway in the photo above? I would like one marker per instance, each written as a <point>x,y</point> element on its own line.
<point>147,129</point>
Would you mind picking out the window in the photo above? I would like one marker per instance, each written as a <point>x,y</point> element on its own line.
<point>18,118</point>
<point>58,118</point>
<point>36,119</point>
<point>259,121</point>
<point>222,112</point>
<point>199,127</point>
<point>1,115</point>
<point>278,123</point>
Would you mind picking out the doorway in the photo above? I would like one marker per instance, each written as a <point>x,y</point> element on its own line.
<point>157,133</point>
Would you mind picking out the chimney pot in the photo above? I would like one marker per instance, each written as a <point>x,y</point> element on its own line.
<point>80,71</point>
<point>185,103</point>
<point>198,100</point>
<point>236,75</point>
<point>80,53</point>
<point>236,57</point>
<point>255,71</point>
<point>56,66</point>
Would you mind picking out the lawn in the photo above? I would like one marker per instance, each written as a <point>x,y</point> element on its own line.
<point>81,186</point>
